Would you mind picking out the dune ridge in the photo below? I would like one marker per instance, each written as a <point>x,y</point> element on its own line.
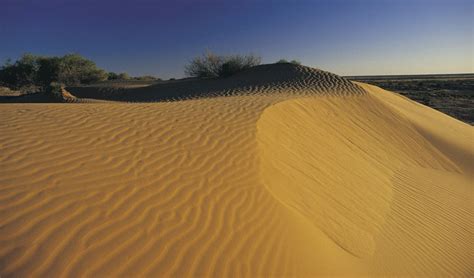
<point>263,79</point>
<point>282,170</point>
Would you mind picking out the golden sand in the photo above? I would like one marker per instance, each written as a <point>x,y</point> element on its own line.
<point>283,171</point>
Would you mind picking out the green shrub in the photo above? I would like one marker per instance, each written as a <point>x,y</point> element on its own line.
<point>207,66</point>
<point>73,69</point>
<point>123,76</point>
<point>214,66</point>
<point>20,74</point>
<point>31,70</point>
<point>228,68</point>
<point>112,76</point>
<point>284,61</point>
<point>55,89</point>
<point>48,70</point>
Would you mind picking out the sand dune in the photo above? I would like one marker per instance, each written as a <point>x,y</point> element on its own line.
<point>279,171</point>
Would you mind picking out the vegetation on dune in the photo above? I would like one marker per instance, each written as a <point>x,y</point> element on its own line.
<point>210,65</point>
<point>450,94</point>
<point>124,76</point>
<point>284,61</point>
<point>112,76</point>
<point>146,78</point>
<point>74,69</point>
<point>32,71</point>
<point>5,91</point>
<point>55,89</point>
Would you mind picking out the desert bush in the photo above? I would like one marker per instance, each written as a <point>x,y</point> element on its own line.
<point>213,66</point>
<point>123,76</point>
<point>5,91</point>
<point>73,69</point>
<point>207,66</point>
<point>55,89</point>
<point>112,76</point>
<point>284,61</point>
<point>22,73</point>
<point>237,63</point>
<point>146,78</point>
<point>31,70</point>
<point>48,70</point>
<point>228,68</point>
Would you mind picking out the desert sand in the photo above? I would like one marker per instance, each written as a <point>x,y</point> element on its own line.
<point>281,170</point>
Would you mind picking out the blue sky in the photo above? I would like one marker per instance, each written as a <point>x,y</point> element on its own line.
<point>351,37</point>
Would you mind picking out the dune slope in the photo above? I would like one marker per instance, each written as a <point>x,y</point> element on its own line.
<point>385,195</point>
<point>294,172</point>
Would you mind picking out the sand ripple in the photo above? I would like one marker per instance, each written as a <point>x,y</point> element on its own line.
<point>278,172</point>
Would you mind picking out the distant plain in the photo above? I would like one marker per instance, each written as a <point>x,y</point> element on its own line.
<point>452,94</point>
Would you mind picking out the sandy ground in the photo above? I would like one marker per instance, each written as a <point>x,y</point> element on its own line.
<point>296,173</point>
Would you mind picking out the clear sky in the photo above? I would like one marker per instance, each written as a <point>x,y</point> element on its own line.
<point>347,37</point>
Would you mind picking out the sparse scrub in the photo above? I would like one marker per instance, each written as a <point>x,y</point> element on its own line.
<point>284,61</point>
<point>112,76</point>
<point>74,69</point>
<point>21,73</point>
<point>32,71</point>
<point>123,76</point>
<point>214,66</point>
<point>146,78</point>
<point>5,91</point>
<point>55,89</point>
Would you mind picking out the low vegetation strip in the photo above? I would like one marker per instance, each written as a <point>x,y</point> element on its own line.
<point>452,94</point>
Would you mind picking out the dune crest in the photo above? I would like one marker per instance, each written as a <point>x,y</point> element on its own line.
<point>263,79</point>
<point>282,170</point>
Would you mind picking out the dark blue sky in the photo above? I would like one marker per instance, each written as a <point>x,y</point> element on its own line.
<point>352,37</point>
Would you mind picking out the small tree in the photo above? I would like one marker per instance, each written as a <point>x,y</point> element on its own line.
<point>207,66</point>
<point>213,66</point>
<point>237,63</point>
<point>282,61</point>
<point>55,90</point>
<point>74,70</point>
<point>48,71</point>
<point>20,74</point>
<point>32,71</point>
<point>112,76</point>
<point>123,76</point>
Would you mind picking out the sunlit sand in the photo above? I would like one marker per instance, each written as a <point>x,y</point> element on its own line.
<point>281,170</point>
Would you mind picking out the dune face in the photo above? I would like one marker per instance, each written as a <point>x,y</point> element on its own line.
<point>263,79</point>
<point>295,172</point>
<point>366,184</point>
